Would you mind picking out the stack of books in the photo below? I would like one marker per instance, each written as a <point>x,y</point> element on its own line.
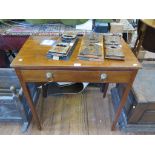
<point>91,48</point>
<point>113,47</point>
<point>62,50</point>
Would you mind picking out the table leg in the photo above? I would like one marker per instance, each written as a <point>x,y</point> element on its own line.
<point>123,99</point>
<point>29,99</point>
<point>105,90</point>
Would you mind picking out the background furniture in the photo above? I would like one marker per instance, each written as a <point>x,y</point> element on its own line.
<point>101,25</point>
<point>4,60</point>
<point>11,44</point>
<point>123,26</point>
<point>128,30</point>
<point>13,104</point>
<point>146,37</point>
<point>139,111</point>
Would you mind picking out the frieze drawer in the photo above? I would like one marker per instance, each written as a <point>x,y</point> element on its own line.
<point>75,76</point>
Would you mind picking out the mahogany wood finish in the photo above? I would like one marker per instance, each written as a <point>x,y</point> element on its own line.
<point>31,65</point>
<point>123,99</point>
<point>76,76</point>
<point>33,56</point>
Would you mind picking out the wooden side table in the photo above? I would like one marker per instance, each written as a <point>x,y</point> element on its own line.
<point>31,65</point>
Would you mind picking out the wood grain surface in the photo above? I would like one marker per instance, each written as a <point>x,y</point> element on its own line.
<point>33,56</point>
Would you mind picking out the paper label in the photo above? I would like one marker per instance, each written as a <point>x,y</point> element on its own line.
<point>71,44</point>
<point>55,58</point>
<point>48,42</point>
<point>77,64</point>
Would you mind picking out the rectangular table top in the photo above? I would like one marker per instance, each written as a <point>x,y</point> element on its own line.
<point>33,56</point>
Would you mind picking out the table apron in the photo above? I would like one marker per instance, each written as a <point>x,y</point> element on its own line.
<point>76,76</point>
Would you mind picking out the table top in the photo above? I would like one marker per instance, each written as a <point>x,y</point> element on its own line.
<point>149,22</point>
<point>33,56</point>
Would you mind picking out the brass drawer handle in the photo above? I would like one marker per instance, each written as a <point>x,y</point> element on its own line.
<point>49,76</point>
<point>103,76</point>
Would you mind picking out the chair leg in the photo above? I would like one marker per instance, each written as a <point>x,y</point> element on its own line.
<point>141,38</point>
<point>135,46</point>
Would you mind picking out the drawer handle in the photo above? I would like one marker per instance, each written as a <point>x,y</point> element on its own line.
<point>103,76</point>
<point>49,76</point>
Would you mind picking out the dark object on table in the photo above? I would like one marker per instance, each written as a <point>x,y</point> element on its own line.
<point>139,111</point>
<point>101,27</point>
<point>13,105</point>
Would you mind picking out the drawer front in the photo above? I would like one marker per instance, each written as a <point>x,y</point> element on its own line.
<point>75,76</point>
